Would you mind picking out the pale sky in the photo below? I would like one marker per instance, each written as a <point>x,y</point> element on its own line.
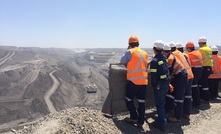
<point>107,23</point>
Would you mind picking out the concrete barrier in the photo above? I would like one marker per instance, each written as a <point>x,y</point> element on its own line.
<point>115,102</point>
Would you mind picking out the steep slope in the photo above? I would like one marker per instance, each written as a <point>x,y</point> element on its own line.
<point>25,79</point>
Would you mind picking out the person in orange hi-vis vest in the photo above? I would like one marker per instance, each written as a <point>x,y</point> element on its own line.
<point>136,62</point>
<point>215,77</point>
<point>196,63</point>
<point>175,100</point>
<point>184,58</point>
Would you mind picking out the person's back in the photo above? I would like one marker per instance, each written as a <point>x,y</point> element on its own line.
<point>184,58</point>
<point>184,61</point>
<point>175,99</point>
<point>196,59</point>
<point>207,55</point>
<point>160,82</point>
<point>207,69</point>
<point>196,63</point>
<point>215,76</point>
<point>136,61</point>
<point>175,66</point>
<point>137,66</point>
<point>216,69</point>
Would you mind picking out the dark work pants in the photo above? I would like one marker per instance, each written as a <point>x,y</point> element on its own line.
<point>160,92</point>
<point>197,72</point>
<point>187,106</point>
<point>176,98</point>
<point>213,87</point>
<point>138,91</point>
<point>204,83</point>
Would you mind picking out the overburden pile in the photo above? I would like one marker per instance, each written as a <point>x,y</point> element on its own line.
<point>78,120</point>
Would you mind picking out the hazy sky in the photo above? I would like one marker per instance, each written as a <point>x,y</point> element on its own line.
<point>107,23</point>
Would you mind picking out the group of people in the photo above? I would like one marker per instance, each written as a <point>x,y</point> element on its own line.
<point>180,79</point>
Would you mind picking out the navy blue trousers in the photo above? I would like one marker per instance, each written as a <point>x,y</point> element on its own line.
<point>197,72</point>
<point>138,91</point>
<point>160,92</point>
<point>204,83</point>
<point>187,105</point>
<point>213,87</point>
<point>175,100</point>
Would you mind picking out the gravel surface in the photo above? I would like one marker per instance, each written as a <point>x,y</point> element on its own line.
<point>80,120</point>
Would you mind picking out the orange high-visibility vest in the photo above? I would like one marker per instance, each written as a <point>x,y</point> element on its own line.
<point>137,67</point>
<point>177,67</point>
<point>196,59</point>
<point>185,63</point>
<point>216,67</point>
<point>187,58</point>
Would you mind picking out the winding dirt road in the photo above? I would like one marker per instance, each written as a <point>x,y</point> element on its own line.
<point>48,94</point>
<point>8,56</point>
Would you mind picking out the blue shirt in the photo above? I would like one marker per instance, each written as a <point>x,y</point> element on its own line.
<point>126,58</point>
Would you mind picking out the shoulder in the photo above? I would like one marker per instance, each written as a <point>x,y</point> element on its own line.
<point>154,60</point>
<point>128,52</point>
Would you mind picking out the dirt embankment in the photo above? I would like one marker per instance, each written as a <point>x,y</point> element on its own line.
<point>86,121</point>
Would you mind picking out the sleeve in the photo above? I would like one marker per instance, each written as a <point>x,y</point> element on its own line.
<point>153,72</point>
<point>219,63</point>
<point>126,58</point>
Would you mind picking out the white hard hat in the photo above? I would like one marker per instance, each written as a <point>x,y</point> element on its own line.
<point>202,39</point>
<point>158,44</point>
<point>172,44</point>
<point>179,45</point>
<point>166,46</point>
<point>214,48</point>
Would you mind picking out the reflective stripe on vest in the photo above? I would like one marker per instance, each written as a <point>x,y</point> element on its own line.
<point>137,67</point>
<point>177,67</point>
<point>216,70</point>
<point>184,61</point>
<point>196,59</point>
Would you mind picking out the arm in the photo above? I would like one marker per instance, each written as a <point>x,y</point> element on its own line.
<point>153,72</point>
<point>126,58</point>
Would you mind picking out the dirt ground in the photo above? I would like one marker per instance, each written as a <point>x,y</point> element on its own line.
<point>205,120</point>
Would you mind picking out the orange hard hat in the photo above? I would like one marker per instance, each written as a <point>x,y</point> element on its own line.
<point>189,44</point>
<point>133,39</point>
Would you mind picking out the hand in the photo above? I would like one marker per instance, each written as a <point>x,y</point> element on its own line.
<point>171,88</point>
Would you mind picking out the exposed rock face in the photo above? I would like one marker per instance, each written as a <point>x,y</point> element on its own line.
<point>25,79</point>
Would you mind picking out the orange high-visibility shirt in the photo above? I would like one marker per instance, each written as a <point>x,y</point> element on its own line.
<point>196,59</point>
